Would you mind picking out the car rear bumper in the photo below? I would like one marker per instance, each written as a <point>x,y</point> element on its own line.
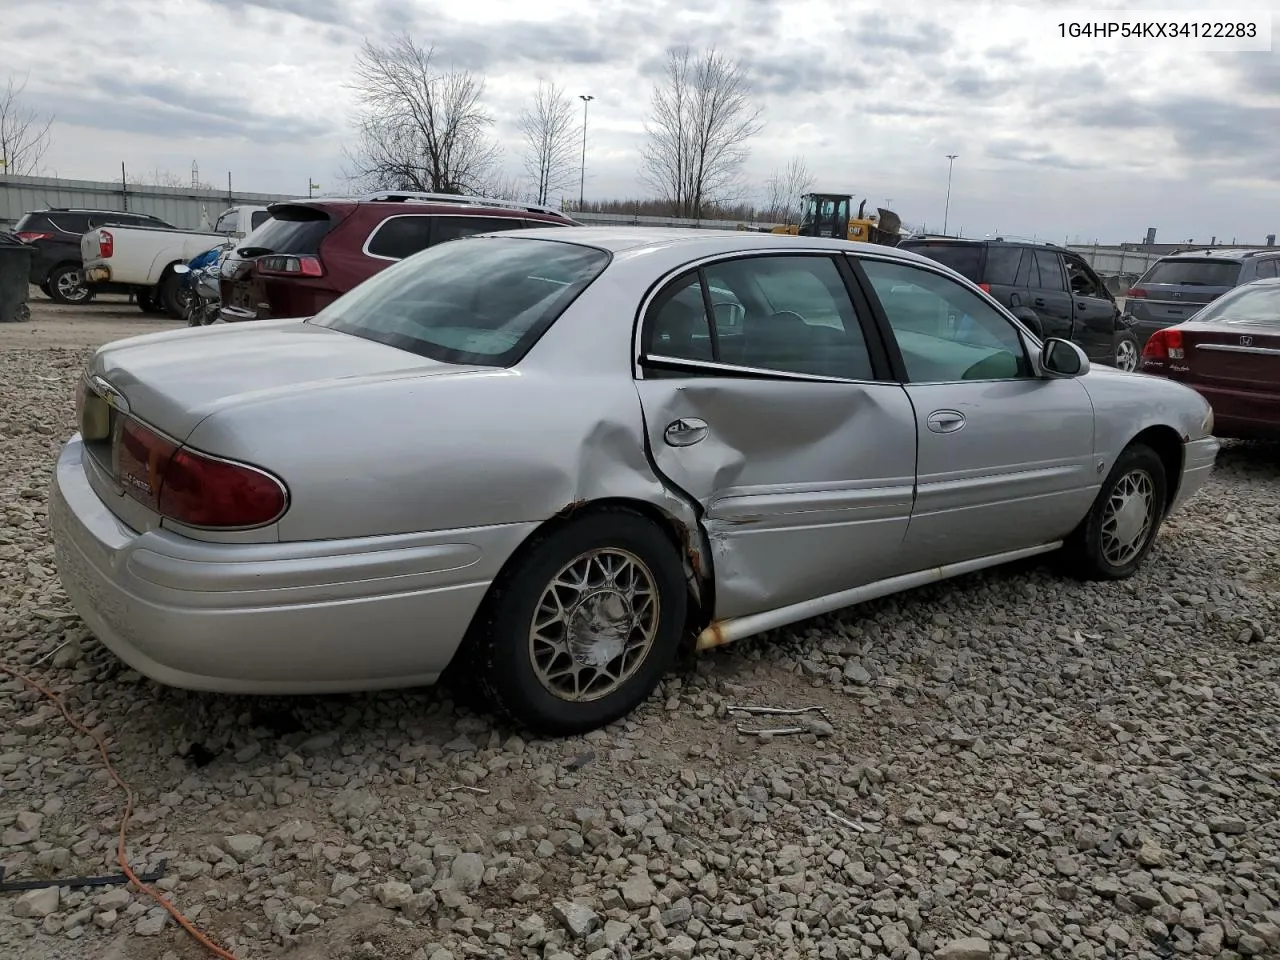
<point>1198,457</point>
<point>269,618</point>
<point>96,273</point>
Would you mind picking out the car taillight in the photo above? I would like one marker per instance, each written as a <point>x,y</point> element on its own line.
<point>984,287</point>
<point>1137,293</point>
<point>1164,344</point>
<point>106,243</point>
<point>298,266</point>
<point>31,236</point>
<point>192,488</point>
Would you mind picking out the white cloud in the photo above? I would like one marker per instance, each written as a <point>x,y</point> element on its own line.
<point>1057,138</point>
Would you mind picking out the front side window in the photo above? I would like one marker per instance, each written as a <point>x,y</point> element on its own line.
<point>1082,280</point>
<point>945,332</point>
<point>785,314</point>
<point>478,301</point>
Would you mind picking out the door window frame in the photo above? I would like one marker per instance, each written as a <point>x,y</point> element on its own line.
<point>898,365</point>
<point>364,249</point>
<point>1067,259</point>
<point>663,367</point>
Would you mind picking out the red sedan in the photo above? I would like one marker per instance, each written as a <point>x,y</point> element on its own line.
<point>1229,352</point>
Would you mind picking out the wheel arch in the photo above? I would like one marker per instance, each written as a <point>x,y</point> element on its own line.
<point>1168,446</point>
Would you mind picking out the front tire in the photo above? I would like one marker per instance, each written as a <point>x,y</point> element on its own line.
<point>1121,527</point>
<point>583,626</point>
<point>146,299</point>
<point>1126,355</point>
<point>171,296</point>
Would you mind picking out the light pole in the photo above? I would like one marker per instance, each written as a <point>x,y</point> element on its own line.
<point>951,162</point>
<point>586,98</point>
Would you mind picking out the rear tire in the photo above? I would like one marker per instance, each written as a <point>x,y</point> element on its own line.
<point>67,287</point>
<point>1126,355</point>
<point>147,301</point>
<point>582,626</point>
<point>169,295</point>
<point>1121,527</point>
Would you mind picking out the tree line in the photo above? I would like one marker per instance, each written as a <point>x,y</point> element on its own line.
<point>424,127</point>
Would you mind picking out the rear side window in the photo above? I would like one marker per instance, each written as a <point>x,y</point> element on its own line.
<point>479,301</point>
<point>295,230</point>
<point>31,222</point>
<point>454,228</point>
<point>258,219</point>
<point>1049,270</point>
<point>964,258</point>
<point>1194,273</point>
<point>398,237</point>
<point>1002,265</point>
<point>76,223</point>
<point>1266,269</point>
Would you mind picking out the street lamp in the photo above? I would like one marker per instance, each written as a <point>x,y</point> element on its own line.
<point>311,185</point>
<point>586,98</point>
<point>951,162</point>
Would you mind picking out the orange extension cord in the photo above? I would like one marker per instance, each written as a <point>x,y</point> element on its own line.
<point>121,856</point>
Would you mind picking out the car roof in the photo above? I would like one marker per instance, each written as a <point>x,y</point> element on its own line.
<point>431,204</point>
<point>122,213</point>
<point>702,242</point>
<point>997,242</point>
<point>1230,256</point>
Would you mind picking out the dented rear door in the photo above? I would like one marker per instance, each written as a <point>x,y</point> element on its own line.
<point>805,480</point>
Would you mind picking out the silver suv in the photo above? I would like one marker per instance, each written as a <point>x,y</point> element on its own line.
<point>1176,286</point>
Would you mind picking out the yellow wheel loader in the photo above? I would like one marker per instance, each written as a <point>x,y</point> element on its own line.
<point>829,215</point>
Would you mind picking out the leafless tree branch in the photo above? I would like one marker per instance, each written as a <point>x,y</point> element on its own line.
<point>784,188</point>
<point>24,133</point>
<point>701,120</point>
<point>422,129</point>
<point>550,137</point>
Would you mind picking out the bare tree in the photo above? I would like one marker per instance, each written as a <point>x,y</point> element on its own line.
<point>422,128</point>
<point>784,188</point>
<point>550,138</point>
<point>166,178</point>
<point>504,187</point>
<point>24,133</point>
<point>701,119</point>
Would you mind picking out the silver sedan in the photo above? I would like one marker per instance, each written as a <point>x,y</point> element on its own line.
<point>551,457</point>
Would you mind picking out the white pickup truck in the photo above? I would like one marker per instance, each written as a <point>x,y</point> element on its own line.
<point>142,258</point>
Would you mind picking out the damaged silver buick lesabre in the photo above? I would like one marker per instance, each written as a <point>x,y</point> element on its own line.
<point>551,457</point>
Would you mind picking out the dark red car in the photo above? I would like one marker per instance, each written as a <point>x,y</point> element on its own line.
<point>313,251</point>
<point>1229,352</point>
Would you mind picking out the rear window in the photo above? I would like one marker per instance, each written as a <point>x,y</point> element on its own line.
<point>30,221</point>
<point>964,258</point>
<point>1251,304</point>
<point>483,300</point>
<point>1194,273</point>
<point>294,230</point>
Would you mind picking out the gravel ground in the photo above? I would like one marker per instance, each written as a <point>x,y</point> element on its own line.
<point>1015,766</point>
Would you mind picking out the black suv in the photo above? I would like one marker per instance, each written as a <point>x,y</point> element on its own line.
<point>55,235</point>
<point>1051,289</point>
<point>1176,286</point>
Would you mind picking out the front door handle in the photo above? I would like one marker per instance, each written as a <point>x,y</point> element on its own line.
<point>685,432</point>
<point>946,421</point>
<point>1038,301</point>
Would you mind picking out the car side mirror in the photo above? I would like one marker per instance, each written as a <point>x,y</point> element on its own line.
<point>1062,358</point>
<point>1030,320</point>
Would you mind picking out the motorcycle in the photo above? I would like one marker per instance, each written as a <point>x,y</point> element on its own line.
<point>201,290</point>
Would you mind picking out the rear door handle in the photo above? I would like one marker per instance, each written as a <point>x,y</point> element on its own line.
<point>1038,301</point>
<point>946,421</point>
<point>685,432</point>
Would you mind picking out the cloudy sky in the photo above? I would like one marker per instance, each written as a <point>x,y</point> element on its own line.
<point>1057,138</point>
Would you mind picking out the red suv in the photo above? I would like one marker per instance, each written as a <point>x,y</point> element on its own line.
<point>310,252</point>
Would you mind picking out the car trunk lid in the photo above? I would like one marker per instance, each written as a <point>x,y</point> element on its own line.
<point>172,381</point>
<point>1233,354</point>
<point>294,231</point>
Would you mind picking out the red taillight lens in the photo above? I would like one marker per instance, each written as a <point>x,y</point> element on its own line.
<point>192,488</point>
<point>984,287</point>
<point>31,236</point>
<point>203,492</point>
<point>1164,345</point>
<point>1137,293</point>
<point>295,266</point>
<point>106,243</point>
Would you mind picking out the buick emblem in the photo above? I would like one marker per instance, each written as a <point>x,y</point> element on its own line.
<point>1246,341</point>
